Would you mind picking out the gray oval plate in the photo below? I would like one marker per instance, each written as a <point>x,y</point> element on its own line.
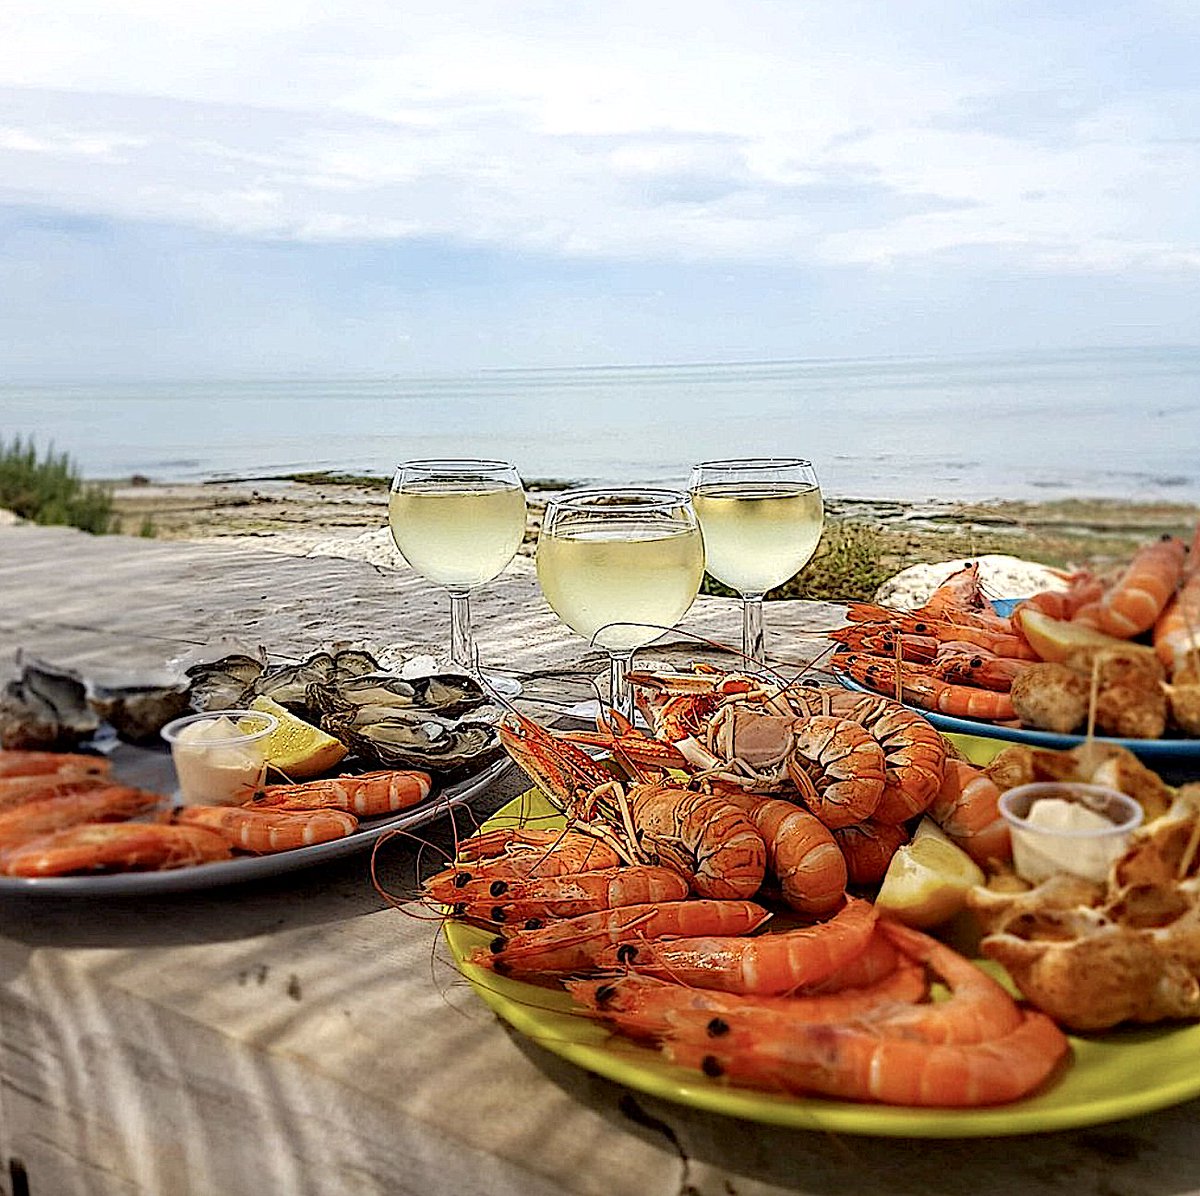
<point>228,872</point>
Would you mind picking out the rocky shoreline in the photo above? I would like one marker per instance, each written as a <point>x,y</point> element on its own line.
<point>328,516</point>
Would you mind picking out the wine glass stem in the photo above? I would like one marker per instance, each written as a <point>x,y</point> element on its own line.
<point>462,643</point>
<point>618,683</point>
<point>753,642</point>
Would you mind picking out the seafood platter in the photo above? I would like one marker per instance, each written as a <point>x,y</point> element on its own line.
<point>360,753</point>
<point>804,904</point>
<point>1112,657</point>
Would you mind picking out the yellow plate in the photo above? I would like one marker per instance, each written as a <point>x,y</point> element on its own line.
<point>1118,1074</point>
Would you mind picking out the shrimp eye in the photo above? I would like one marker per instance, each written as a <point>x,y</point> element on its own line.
<point>534,924</point>
<point>976,662</point>
<point>711,1067</point>
<point>498,888</point>
<point>605,993</point>
<point>461,879</point>
<point>626,953</point>
<point>717,1027</point>
<point>920,629</point>
<point>459,908</point>
<point>497,944</point>
<point>498,914</point>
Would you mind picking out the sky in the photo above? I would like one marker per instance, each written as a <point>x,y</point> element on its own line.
<point>374,186</point>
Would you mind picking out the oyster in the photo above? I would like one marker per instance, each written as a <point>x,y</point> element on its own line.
<point>45,708</point>
<point>417,740</point>
<point>138,712</point>
<point>447,694</point>
<point>237,679</point>
<point>225,684</point>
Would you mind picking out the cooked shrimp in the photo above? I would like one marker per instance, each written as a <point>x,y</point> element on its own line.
<point>913,754</point>
<point>1177,629</point>
<point>884,639</point>
<point>15,763</point>
<point>839,768</point>
<point>109,803</point>
<point>802,855</point>
<point>17,791</point>
<point>859,1063</point>
<point>543,897</point>
<point>967,664</point>
<point>265,831</point>
<point>967,809</point>
<point>1133,603</point>
<point>705,838</point>
<point>114,847</point>
<point>366,794</point>
<point>511,855</point>
<point>926,691</point>
<point>574,945</point>
<point>644,1007</point>
<point>874,962</point>
<point>977,1010</point>
<point>768,963</point>
<point>868,849</point>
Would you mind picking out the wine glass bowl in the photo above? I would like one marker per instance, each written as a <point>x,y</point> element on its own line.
<point>762,519</point>
<point>458,523</point>
<point>620,567</point>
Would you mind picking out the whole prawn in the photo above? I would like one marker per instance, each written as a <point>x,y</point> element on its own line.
<point>769,963</point>
<point>858,1062</point>
<point>926,691</point>
<point>533,900</point>
<point>572,945</point>
<point>267,831</point>
<point>1137,598</point>
<point>114,847</point>
<point>644,1007</point>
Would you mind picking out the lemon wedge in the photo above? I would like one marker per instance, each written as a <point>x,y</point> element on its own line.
<point>296,748</point>
<point>927,881</point>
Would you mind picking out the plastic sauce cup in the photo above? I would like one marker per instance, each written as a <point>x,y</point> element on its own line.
<point>1080,829</point>
<point>220,755</point>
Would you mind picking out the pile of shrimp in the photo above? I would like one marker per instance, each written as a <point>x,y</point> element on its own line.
<point>650,908</point>
<point>63,814</point>
<point>955,655</point>
<point>839,1006</point>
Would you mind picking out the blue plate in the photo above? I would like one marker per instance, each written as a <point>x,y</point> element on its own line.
<point>1169,749</point>
<point>1148,749</point>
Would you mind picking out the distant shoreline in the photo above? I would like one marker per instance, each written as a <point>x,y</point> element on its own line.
<point>342,515</point>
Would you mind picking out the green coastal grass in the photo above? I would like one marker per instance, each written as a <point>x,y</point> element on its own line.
<point>49,490</point>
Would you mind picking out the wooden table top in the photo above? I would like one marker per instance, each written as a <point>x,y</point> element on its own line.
<point>300,1035</point>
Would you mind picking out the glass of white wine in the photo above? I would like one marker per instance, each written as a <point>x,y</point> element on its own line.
<point>762,519</point>
<point>459,524</point>
<point>620,567</point>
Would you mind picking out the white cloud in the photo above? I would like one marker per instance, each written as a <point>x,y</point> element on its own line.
<point>809,133</point>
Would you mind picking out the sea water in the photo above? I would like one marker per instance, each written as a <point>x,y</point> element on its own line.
<point>1101,423</point>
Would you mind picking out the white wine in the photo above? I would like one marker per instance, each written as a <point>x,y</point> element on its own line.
<point>620,573</point>
<point>758,534</point>
<point>457,533</point>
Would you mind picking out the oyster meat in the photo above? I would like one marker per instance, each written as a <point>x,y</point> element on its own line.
<point>417,740</point>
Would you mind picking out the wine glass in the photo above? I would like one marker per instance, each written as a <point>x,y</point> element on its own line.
<point>619,567</point>
<point>762,519</point>
<point>458,524</point>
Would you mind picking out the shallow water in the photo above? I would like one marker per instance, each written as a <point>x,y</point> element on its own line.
<point>1111,423</point>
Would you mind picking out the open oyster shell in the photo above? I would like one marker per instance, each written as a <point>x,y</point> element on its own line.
<point>45,708</point>
<point>416,740</point>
